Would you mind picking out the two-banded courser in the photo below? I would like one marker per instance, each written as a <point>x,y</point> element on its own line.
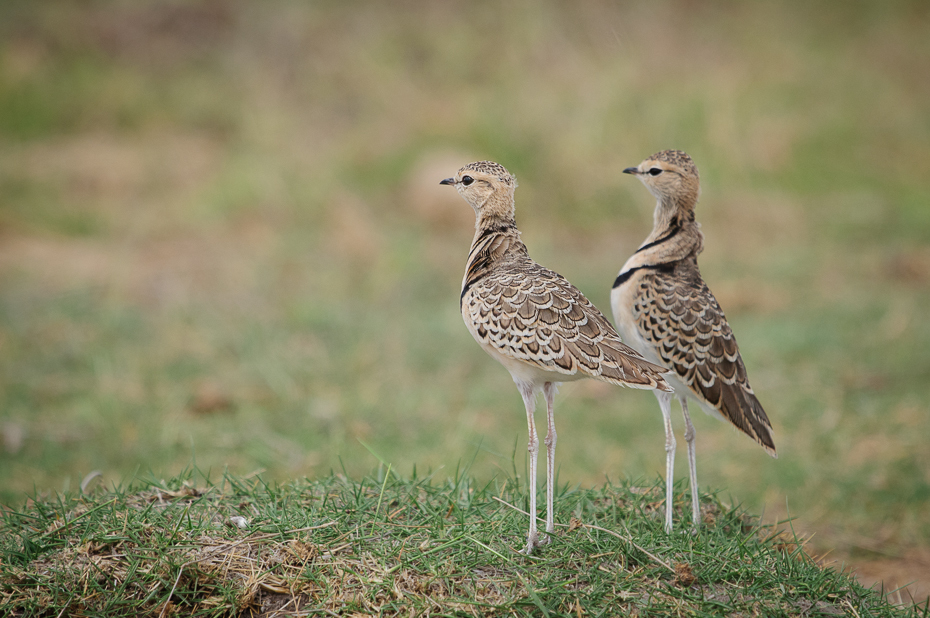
<point>533,321</point>
<point>664,309</point>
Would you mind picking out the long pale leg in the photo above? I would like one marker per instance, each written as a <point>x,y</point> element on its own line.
<point>549,389</point>
<point>665,403</point>
<point>692,464</point>
<point>529,400</point>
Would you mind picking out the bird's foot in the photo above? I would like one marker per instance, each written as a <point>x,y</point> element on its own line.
<point>546,538</point>
<point>535,540</point>
<point>532,541</point>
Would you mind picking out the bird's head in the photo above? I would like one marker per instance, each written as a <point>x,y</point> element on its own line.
<point>670,176</point>
<point>487,187</point>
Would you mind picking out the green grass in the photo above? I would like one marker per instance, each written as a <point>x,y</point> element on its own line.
<point>388,545</point>
<point>222,238</point>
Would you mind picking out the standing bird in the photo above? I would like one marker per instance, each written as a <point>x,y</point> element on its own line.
<point>533,321</point>
<point>664,309</point>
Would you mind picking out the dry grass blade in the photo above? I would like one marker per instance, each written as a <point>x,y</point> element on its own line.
<point>217,550</point>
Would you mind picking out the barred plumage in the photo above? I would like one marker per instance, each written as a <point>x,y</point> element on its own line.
<point>666,311</point>
<point>532,320</point>
<point>533,315</point>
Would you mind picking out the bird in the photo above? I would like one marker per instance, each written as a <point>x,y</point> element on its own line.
<point>534,322</point>
<point>664,309</point>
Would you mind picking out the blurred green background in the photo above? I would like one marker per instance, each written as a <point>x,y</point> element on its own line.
<point>223,242</point>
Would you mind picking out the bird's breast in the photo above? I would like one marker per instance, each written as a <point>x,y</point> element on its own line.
<point>622,299</point>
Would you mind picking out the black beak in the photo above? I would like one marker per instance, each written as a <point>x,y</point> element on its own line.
<point>447,181</point>
<point>631,170</point>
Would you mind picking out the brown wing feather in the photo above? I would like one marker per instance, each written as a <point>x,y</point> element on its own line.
<point>535,315</point>
<point>682,320</point>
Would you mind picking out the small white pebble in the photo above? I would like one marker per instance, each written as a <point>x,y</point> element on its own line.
<point>237,521</point>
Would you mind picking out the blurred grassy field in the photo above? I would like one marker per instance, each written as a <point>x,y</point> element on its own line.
<point>222,238</point>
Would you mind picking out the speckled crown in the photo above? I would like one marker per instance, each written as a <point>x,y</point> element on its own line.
<point>494,169</point>
<point>678,158</point>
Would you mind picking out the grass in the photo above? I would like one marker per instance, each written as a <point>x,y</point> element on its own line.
<point>222,239</point>
<point>388,545</point>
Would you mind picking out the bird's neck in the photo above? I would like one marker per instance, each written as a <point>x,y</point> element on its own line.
<point>496,240</point>
<point>675,235</point>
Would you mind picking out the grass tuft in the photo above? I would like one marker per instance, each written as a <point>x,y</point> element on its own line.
<point>389,545</point>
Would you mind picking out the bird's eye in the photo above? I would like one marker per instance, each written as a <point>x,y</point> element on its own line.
<point>467,180</point>
<point>655,171</point>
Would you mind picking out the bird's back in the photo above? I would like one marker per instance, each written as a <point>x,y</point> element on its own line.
<point>534,318</point>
